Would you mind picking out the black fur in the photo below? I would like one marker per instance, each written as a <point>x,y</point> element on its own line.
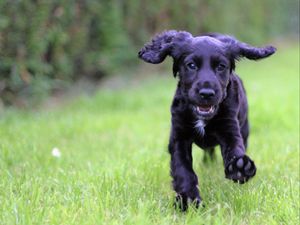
<point>210,105</point>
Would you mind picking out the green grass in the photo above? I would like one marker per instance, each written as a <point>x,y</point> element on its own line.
<point>114,167</point>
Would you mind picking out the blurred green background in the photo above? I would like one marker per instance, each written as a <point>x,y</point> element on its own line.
<point>47,45</point>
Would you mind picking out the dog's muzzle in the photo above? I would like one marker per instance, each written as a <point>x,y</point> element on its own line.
<point>206,105</point>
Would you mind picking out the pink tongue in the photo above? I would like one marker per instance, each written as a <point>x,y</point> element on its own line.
<point>204,108</point>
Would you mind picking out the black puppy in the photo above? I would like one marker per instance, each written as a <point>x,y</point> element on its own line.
<point>209,107</point>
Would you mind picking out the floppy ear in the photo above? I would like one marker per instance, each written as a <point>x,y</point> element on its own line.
<point>239,49</point>
<point>163,45</point>
<point>255,53</point>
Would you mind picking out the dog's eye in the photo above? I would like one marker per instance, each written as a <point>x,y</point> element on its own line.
<point>221,67</point>
<point>191,66</point>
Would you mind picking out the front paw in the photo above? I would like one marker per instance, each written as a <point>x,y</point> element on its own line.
<point>240,169</point>
<point>182,201</point>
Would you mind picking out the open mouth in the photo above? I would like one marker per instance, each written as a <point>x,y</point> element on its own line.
<point>205,110</point>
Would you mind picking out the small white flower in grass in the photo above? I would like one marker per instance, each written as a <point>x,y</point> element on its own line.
<point>56,153</point>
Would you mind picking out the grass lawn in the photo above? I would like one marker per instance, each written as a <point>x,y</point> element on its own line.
<point>114,164</point>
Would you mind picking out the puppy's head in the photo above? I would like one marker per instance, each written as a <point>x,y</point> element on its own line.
<point>204,64</point>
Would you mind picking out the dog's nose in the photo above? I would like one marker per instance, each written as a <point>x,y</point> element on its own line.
<point>207,93</point>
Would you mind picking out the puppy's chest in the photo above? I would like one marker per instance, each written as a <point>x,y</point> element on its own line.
<point>200,126</point>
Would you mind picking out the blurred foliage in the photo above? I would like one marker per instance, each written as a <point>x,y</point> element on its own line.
<point>44,45</point>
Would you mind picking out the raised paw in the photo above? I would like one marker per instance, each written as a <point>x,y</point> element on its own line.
<point>240,169</point>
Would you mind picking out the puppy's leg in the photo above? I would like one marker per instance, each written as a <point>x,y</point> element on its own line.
<point>245,133</point>
<point>185,180</point>
<point>238,166</point>
<point>209,155</point>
